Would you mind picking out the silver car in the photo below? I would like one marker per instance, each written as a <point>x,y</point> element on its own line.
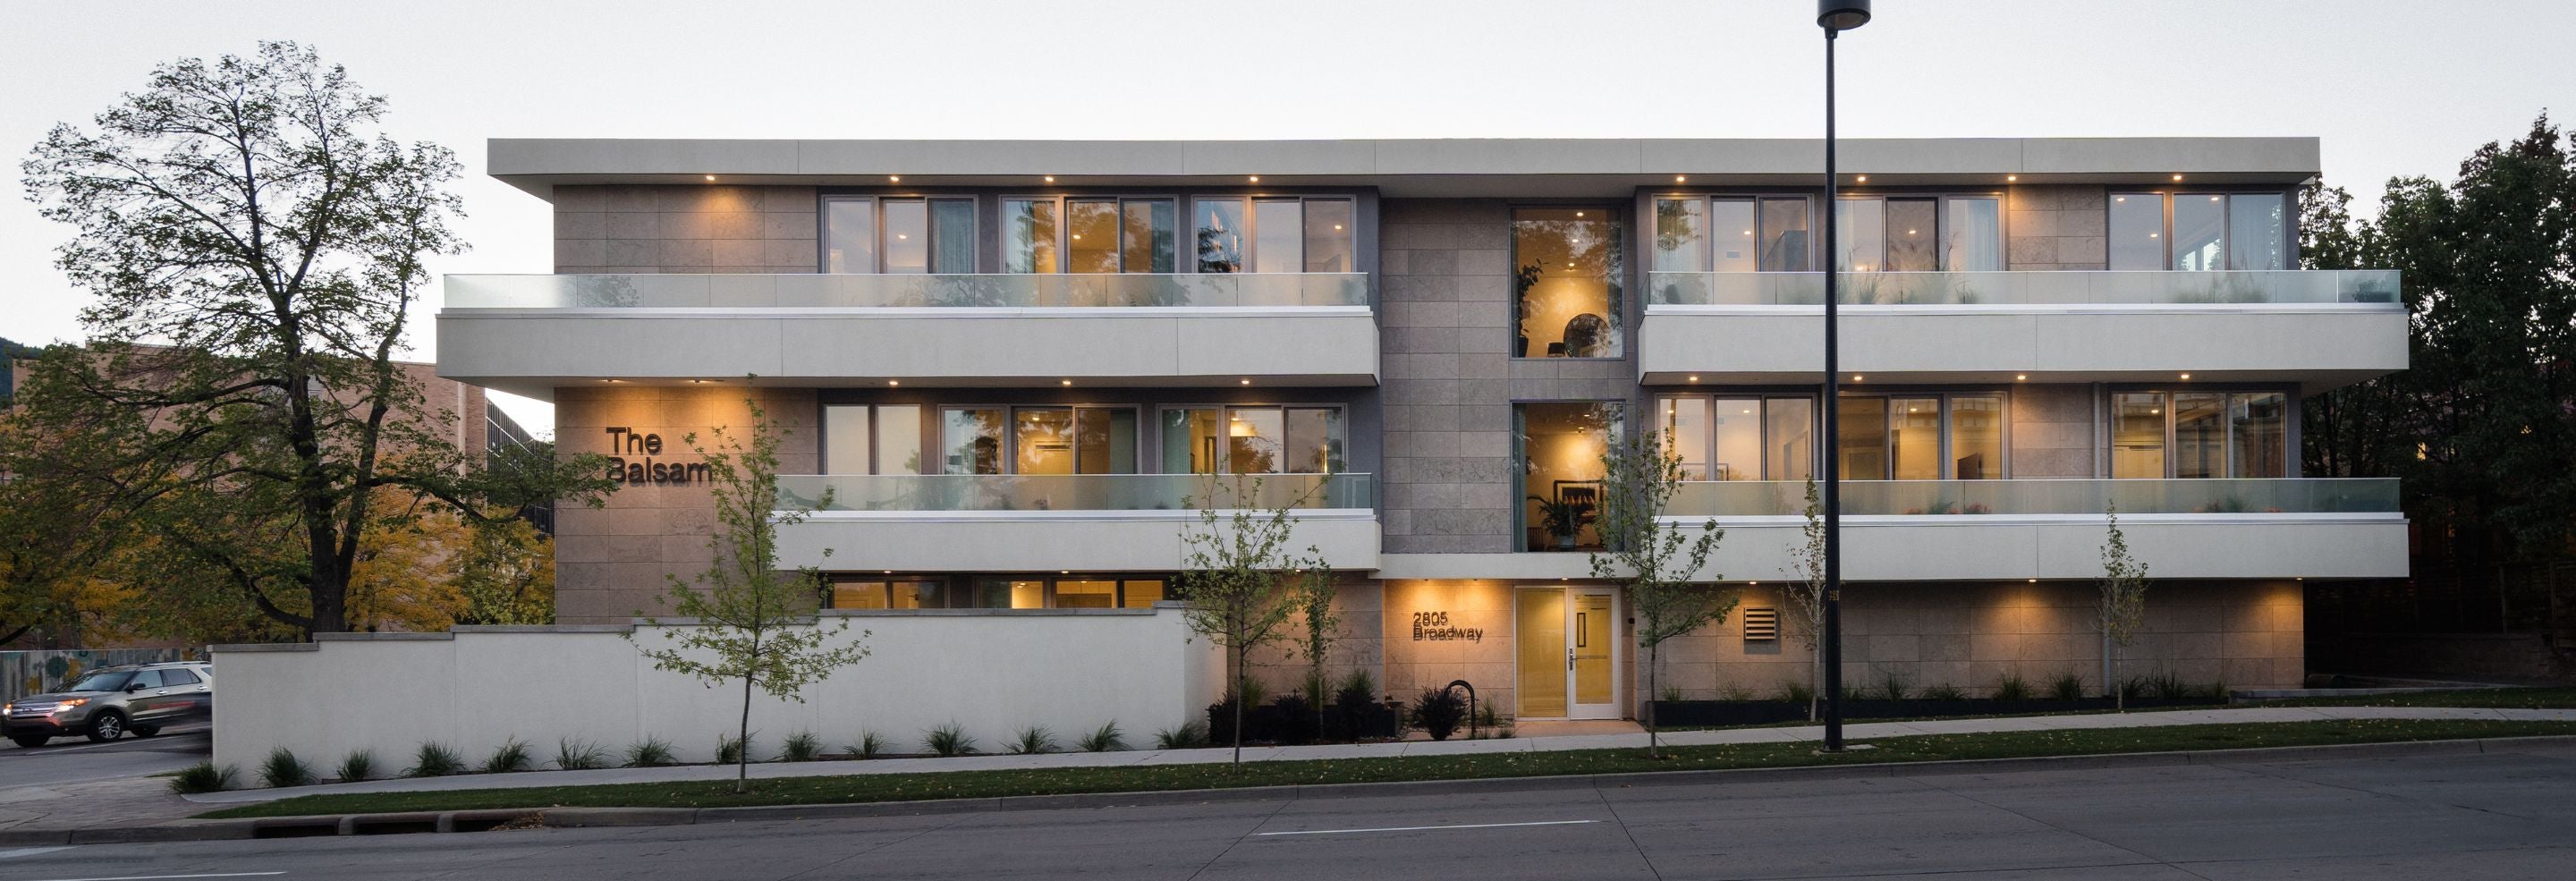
<point>109,702</point>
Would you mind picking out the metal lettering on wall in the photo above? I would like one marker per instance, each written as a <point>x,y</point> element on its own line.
<point>1435,627</point>
<point>624,441</point>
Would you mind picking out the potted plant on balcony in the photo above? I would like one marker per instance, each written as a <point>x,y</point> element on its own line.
<point>1563,518</point>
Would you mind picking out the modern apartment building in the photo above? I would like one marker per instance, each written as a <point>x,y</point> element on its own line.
<point>1015,366</point>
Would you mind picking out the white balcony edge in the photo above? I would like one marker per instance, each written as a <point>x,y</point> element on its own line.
<point>1159,515</point>
<point>2232,518</point>
<point>967,312</point>
<point>1654,309</point>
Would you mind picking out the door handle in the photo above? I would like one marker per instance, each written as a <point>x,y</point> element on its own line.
<point>1569,659</point>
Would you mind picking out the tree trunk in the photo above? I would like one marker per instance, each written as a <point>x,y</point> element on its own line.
<point>1815,680</point>
<point>1239,678</point>
<point>742,744</point>
<point>1654,746</point>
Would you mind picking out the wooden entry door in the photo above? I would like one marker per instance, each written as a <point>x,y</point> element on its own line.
<point>1567,651</point>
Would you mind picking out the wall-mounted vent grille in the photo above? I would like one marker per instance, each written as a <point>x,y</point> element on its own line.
<point>1761,625</point>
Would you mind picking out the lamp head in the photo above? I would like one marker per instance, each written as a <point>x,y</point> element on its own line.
<point>1841,15</point>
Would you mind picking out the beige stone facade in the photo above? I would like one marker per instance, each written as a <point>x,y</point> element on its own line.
<point>645,228</point>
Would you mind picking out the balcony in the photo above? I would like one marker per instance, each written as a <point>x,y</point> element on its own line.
<point>530,333</point>
<point>1037,523</point>
<point>2001,529</point>
<point>2320,328</point>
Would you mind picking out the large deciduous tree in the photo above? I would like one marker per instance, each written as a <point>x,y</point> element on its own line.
<point>256,245</point>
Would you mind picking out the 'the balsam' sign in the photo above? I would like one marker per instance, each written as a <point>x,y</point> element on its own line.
<point>624,442</point>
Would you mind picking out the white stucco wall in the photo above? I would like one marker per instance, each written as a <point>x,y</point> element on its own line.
<point>993,672</point>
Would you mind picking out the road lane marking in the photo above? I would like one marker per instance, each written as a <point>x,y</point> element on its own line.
<point>29,851</point>
<point>162,877</point>
<point>1424,828</point>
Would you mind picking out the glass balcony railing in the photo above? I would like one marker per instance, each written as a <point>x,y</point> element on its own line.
<point>2296,495</point>
<point>2024,288</point>
<point>687,291</point>
<point>1072,492</point>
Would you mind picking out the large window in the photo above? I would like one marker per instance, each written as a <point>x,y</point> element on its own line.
<point>1074,591</point>
<point>870,234</point>
<point>1919,233</point>
<point>1560,456</point>
<point>2199,231</point>
<point>1922,436</point>
<point>872,439</point>
<point>1273,233</point>
<point>1038,440</point>
<point>1723,437</point>
<point>1567,272</point>
<point>1253,440</point>
<point>2199,434</point>
<point>1092,234</point>
<point>1730,234</point>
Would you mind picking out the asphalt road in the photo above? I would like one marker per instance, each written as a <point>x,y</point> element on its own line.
<point>2457,818</point>
<point>75,759</point>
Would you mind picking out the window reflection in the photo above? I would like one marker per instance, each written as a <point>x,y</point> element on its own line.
<point>1253,440</point>
<point>1567,275</point>
<point>1913,228</point>
<point>849,236</point>
<point>2199,232</point>
<point>1218,226</point>
<point>1028,235</point>
<point>1972,237</point>
<point>1976,437</point>
<point>1279,229</point>
<point>2138,434</point>
<point>1561,446</point>
<point>2257,231</point>
<point>2137,231</point>
<point>1331,225</point>
<point>1091,235</point>
<point>1860,227</point>
<point>907,236</point>
<point>1784,234</point>
<point>1146,236</point>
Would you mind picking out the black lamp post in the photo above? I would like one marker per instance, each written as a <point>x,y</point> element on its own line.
<point>1835,16</point>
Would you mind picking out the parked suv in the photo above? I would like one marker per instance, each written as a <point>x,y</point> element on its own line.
<point>106,703</point>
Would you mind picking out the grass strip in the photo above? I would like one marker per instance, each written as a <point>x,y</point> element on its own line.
<point>2494,698</point>
<point>1055,781</point>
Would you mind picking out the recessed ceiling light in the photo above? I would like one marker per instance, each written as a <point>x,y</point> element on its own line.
<point>2009,178</point>
<point>1857,377</point>
<point>1050,178</point>
<point>894,382</point>
<point>1748,412</point>
<point>1909,232</point>
<point>2186,376</point>
<point>2021,376</point>
<point>1679,178</point>
<point>1864,178</point>
<point>2119,198</point>
<point>711,177</point>
<point>1243,382</point>
<point>1256,178</point>
<point>1337,227</point>
<point>1694,379</point>
<point>2177,177</point>
<point>1065,382</point>
<point>894,178</point>
<point>1578,214</point>
<point>2034,581</point>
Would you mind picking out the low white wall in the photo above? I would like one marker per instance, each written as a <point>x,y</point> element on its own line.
<point>993,672</point>
<point>1047,541</point>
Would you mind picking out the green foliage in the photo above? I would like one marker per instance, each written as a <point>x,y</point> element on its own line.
<point>1243,578</point>
<point>2135,686</point>
<point>1670,693</point>
<point>948,741</point>
<point>1892,685</point>
<point>203,777</point>
<point>802,746</point>
<point>2122,598</point>
<point>511,757</point>
<point>730,751</point>
<point>1658,565</point>
<point>2171,687</point>
<point>747,621</point>
<point>2067,686</point>
<point>1192,734</point>
<point>1805,590</point>
<point>1488,719</point>
<point>651,752</point>
<point>250,221</point>
<point>435,759</point>
<point>1944,693</point>
<point>1437,711</point>
<point>575,754</point>
<point>359,764</point>
<point>1795,692</point>
<point>2014,688</point>
<point>283,769</point>
<point>1106,738</point>
<point>1033,740</point>
<point>2479,423</point>
<point>870,745</point>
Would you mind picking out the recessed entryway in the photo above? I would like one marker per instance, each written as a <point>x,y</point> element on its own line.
<point>1567,655</point>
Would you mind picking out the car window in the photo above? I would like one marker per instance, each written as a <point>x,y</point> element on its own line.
<point>146,679</point>
<point>104,680</point>
<point>178,677</point>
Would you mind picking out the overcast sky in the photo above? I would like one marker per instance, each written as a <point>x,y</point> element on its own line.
<point>2393,87</point>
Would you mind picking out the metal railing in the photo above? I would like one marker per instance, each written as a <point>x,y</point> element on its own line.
<point>2025,288</point>
<point>795,290</point>
<point>1072,492</point>
<point>2293,495</point>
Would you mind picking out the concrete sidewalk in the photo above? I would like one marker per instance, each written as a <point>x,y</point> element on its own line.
<point>1380,750</point>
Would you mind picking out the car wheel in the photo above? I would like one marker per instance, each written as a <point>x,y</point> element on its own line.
<point>30,741</point>
<point>108,726</point>
<point>145,730</point>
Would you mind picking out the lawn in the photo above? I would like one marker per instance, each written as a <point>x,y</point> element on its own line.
<point>988,784</point>
<point>2507,698</point>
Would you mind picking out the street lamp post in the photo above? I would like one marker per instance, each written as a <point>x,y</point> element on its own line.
<point>1835,16</point>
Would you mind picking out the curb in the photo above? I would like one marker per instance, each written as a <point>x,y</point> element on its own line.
<point>590,818</point>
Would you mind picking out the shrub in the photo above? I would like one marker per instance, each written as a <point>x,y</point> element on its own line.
<point>1106,738</point>
<point>2135,687</point>
<point>1670,694</point>
<point>359,764</point>
<point>1944,693</point>
<point>2217,691</point>
<point>1854,694</point>
<point>435,759</point>
<point>1355,709</point>
<point>653,752</point>
<point>202,777</point>
<point>948,741</point>
<point>1192,734</point>
<point>1796,693</point>
<point>2012,687</point>
<point>1291,720</point>
<point>2171,687</point>
<point>728,749</point>
<point>2067,687</point>
<point>1438,711</point>
<point>1892,685</point>
<point>512,756</point>
<point>802,746</point>
<point>1487,720</point>
<point>1033,740</point>
<point>283,769</point>
<point>870,746</point>
<point>572,754</point>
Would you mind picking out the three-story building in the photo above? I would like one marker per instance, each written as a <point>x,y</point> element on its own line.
<point>1013,369</point>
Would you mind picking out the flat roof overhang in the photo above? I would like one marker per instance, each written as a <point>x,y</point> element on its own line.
<point>1454,168</point>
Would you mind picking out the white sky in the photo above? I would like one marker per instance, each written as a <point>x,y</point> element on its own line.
<point>2393,87</point>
